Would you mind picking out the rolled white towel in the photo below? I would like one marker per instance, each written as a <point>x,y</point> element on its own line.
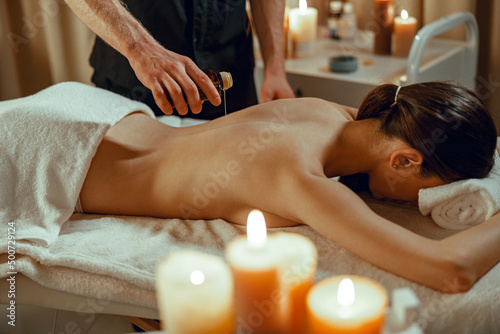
<point>463,204</point>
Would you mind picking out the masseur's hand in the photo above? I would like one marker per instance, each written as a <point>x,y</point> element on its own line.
<point>164,71</point>
<point>274,87</point>
<point>268,19</point>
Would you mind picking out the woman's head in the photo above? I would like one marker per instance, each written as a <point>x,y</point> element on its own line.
<point>446,123</point>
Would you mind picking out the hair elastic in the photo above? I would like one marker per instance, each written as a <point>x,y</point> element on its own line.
<point>396,97</point>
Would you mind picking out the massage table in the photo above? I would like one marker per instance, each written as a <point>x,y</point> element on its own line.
<point>82,267</point>
<point>106,264</point>
<point>123,283</point>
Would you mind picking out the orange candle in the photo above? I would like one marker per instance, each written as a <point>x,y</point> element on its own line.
<point>405,29</point>
<point>347,304</point>
<point>195,294</point>
<point>299,259</point>
<point>383,16</point>
<point>255,266</point>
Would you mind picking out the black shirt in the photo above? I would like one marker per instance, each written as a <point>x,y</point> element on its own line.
<point>215,34</point>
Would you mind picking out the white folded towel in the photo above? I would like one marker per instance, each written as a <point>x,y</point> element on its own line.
<point>47,143</point>
<point>463,204</point>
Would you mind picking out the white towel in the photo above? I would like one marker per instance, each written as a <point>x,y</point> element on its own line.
<point>463,204</point>
<point>113,258</point>
<point>47,143</point>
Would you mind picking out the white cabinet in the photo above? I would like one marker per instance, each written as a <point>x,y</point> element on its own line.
<point>312,77</point>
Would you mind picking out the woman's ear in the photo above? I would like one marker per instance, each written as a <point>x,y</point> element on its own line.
<point>406,158</point>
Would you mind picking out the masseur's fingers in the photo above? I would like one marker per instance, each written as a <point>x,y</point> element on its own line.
<point>275,87</point>
<point>204,83</point>
<point>160,98</point>
<point>170,82</point>
<point>166,72</point>
<point>186,83</point>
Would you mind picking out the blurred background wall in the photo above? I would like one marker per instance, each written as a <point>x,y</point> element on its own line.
<point>43,42</point>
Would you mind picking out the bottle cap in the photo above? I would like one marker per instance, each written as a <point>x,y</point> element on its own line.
<point>227,80</point>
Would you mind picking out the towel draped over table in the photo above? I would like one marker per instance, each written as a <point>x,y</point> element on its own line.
<point>47,143</point>
<point>113,258</point>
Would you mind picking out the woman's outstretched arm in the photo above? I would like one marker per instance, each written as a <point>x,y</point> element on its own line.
<point>450,265</point>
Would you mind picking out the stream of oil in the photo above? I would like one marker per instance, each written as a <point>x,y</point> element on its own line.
<point>225,106</point>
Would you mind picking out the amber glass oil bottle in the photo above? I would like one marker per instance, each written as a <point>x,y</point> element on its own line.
<point>222,81</point>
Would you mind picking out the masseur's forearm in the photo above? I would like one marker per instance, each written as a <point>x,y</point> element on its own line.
<point>113,23</point>
<point>158,69</point>
<point>268,19</point>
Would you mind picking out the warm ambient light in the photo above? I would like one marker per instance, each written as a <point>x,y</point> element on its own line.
<point>195,293</point>
<point>346,294</point>
<point>404,15</point>
<point>197,277</point>
<point>303,5</point>
<point>256,229</point>
<point>363,313</point>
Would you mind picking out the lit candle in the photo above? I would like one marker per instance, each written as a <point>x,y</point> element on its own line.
<point>405,29</point>
<point>303,26</point>
<point>255,267</point>
<point>195,294</point>
<point>383,11</point>
<point>299,259</point>
<point>347,304</point>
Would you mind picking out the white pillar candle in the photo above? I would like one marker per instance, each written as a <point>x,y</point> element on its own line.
<point>303,26</point>
<point>347,304</point>
<point>195,294</point>
<point>255,267</point>
<point>405,29</point>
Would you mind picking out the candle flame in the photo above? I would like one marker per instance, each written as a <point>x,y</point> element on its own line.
<point>345,294</point>
<point>302,5</point>
<point>404,14</point>
<point>256,229</point>
<point>197,277</point>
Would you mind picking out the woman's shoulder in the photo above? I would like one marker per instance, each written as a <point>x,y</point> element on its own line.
<point>300,110</point>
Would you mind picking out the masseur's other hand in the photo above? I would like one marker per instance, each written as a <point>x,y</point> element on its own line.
<point>164,71</point>
<point>274,87</point>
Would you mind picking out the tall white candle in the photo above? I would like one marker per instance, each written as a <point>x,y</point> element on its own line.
<point>195,294</point>
<point>303,28</point>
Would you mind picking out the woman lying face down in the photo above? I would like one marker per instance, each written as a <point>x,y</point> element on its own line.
<point>280,156</point>
<point>447,133</point>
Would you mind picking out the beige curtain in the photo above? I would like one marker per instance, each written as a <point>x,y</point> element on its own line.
<point>41,43</point>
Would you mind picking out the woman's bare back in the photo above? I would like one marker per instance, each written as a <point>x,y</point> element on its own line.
<point>220,169</point>
<point>252,159</point>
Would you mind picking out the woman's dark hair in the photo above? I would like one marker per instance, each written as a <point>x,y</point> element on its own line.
<point>447,123</point>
